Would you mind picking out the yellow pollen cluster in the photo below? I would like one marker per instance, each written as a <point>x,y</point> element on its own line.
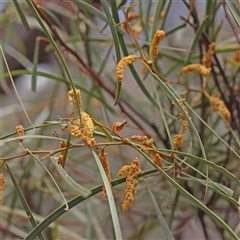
<point>219,105</point>
<point>20,132</point>
<point>177,140</point>
<point>2,181</point>
<point>131,16</point>
<point>118,126</point>
<point>72,98</point>
<point>103,158</point>
<point>207,61</point>
<point>122,64</point>
<point>131,183</point>
<point>195,67</point>
<point>124,170</point>
<point>157,37</point>
<point>85,131</point>
<point>157,159</point>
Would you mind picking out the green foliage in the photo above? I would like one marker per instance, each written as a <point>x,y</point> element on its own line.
<point>189,145</point>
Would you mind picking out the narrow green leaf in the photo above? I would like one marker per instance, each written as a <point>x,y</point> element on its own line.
<point>21,14</point>
<point>49,36</point>
<point>195,40</point>
<point>39,161</point>
<point>113,29</point>
<point>35,63</point>
<point>232,13</point>
<point>114,214</point>
<point>24,202</point>
<point>69,181</point>
<point>73,202</point>
<point>160,217</point>
<point>14,87</point>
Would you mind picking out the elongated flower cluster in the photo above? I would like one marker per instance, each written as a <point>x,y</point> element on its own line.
<point>2,181</point>
<point>131,182</point>
<point>122,64</point>
<point>20,132</point>
<point>157,159</point>
<point>73,100</point>
<point>160,34</point>
<point>178,138</point>
<point>219,105</point>
<point>207,61</point>
<point>84,130</point>
<point>103,158</point>
<point>195,67</point>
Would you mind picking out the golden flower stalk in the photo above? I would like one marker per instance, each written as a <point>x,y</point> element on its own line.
<point>122,64</point>
<point>207,61</point>
<point>85,131</point>
<point>196,67</point>
<point>157,37</point>
<point>177,140</point>
<point>20,132</point>
<point>131,183</point>
<point>103,158</point>
<point>73,100</point>
<point>2,181</point>
<point>219,105</point>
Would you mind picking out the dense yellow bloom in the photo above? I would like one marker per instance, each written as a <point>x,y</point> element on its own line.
<point>122,64</point>
<point>219,105</point>
<point>85,130</point>
<point>131,183</point>
<point>195,67</point>
<point>20,132</point>
<point>177,140</point>
<point>2,181</point>
<point>72,98</point>
<point>103,158</point>
<point>209,54</point>
<point>157,37</point>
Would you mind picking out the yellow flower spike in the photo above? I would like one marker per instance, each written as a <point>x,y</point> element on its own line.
<point>207,61</point>
<point>2,181</point>
<point>177,140</point>
<point>195,67</point>
<point>85,130</point>
<point>72,98</point>
<point>219,105</point>
<point>157,37</point>
<point>103,158</point>
<point>131,183</point>
<point>20,132</point>
<point>122,64</point>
